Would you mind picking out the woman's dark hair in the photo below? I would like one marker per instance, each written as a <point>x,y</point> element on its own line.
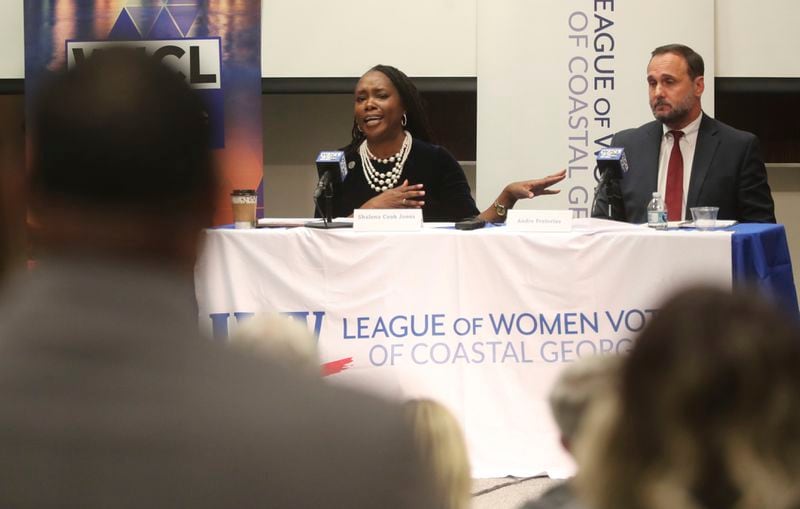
<point>417,124</point>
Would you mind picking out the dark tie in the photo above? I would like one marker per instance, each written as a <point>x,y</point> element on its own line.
<point>674,194</point>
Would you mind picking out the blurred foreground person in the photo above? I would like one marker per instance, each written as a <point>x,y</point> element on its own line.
<point>579,385</point>
<point>708,414</point>
<point>6,212</point>
<point>280,338</point>
<point>442,453</point>
<point>109,396</point>
<point>12,216</point>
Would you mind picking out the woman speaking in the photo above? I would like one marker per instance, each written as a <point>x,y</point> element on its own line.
<point>393,164</point>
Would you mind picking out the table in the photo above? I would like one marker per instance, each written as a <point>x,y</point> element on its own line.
<point>480,320</point>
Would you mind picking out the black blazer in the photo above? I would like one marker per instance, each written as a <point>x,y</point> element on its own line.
<point>727,172</point>
<point>447,193</point>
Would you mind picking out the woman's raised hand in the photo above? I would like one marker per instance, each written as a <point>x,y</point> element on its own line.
<point>535,187</point>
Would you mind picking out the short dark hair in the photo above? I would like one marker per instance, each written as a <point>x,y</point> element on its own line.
<point>121,131</point>
<point>417,124</point>
<point>693,59</point>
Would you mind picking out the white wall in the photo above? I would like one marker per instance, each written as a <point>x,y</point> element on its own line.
<point>12,42</point>
<point>438,37</point>
<point>758,38</point>
<point>317,38</point>
<point>347,37</point>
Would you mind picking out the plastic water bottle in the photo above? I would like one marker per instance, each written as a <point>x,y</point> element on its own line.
<point>657,213</point>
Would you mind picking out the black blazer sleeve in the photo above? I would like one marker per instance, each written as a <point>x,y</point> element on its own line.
<point>447,193</point>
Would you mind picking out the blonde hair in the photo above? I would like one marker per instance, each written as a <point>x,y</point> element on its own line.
<point>281,338</point>
<point>441,452</point>
<point>578,385</point>
<point>707,415</point>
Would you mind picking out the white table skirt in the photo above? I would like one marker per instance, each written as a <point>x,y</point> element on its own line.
<point>480,320</point>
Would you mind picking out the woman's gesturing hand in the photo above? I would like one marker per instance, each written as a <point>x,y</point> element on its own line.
<point>404,196</point>
<point>535,187</point>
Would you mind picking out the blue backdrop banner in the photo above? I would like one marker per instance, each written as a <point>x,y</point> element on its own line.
<point>216,45</point>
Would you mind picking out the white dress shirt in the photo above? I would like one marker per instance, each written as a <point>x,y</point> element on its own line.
<point>688,143</point>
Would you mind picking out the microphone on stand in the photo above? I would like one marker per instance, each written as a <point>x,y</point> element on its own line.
<point>322,184</point>
<point>612,165</point>
<point>332,170</point>
<point>331,167</point>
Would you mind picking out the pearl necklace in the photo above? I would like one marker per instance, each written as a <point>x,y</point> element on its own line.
<point>381,181</point>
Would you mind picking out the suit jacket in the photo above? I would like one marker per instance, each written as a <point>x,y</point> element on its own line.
<point>110,398</point>
<point>727,172</point>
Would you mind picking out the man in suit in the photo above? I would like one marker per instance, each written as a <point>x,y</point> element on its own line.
<point>110,397</point>
<point>711,164</point>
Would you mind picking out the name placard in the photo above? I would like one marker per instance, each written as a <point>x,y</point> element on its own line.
<point>539,220</point>
<point>387,220</point>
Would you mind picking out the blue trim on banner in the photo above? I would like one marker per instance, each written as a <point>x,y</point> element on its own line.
<point>760,257</point>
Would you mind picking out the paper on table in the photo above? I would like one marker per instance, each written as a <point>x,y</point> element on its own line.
<point>282,222</point>
<point>292,222</point>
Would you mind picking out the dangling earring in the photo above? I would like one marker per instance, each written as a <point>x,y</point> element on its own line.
<point>358,127</point>
<point>403,120</point>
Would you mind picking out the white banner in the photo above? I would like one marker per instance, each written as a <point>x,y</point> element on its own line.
<point>479,320</point>
<point>557,78</point>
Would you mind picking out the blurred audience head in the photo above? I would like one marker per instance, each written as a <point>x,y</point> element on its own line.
<point>5,212</point>
<point>578,385</point>
<point>121,160</point>
<point>707,414</point>
<point>12,202</point>
<point>442,453</point>
<point>281,338</point>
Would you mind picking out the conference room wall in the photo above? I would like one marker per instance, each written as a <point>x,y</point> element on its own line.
<point>757,39</point>
<point>296,128</point>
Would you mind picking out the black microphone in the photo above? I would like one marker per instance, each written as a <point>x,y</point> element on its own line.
<point>331,168</point>
<point>612,164</point>
<point>323,182</point>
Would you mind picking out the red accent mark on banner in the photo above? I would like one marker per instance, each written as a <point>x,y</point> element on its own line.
<point>334,367</point>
